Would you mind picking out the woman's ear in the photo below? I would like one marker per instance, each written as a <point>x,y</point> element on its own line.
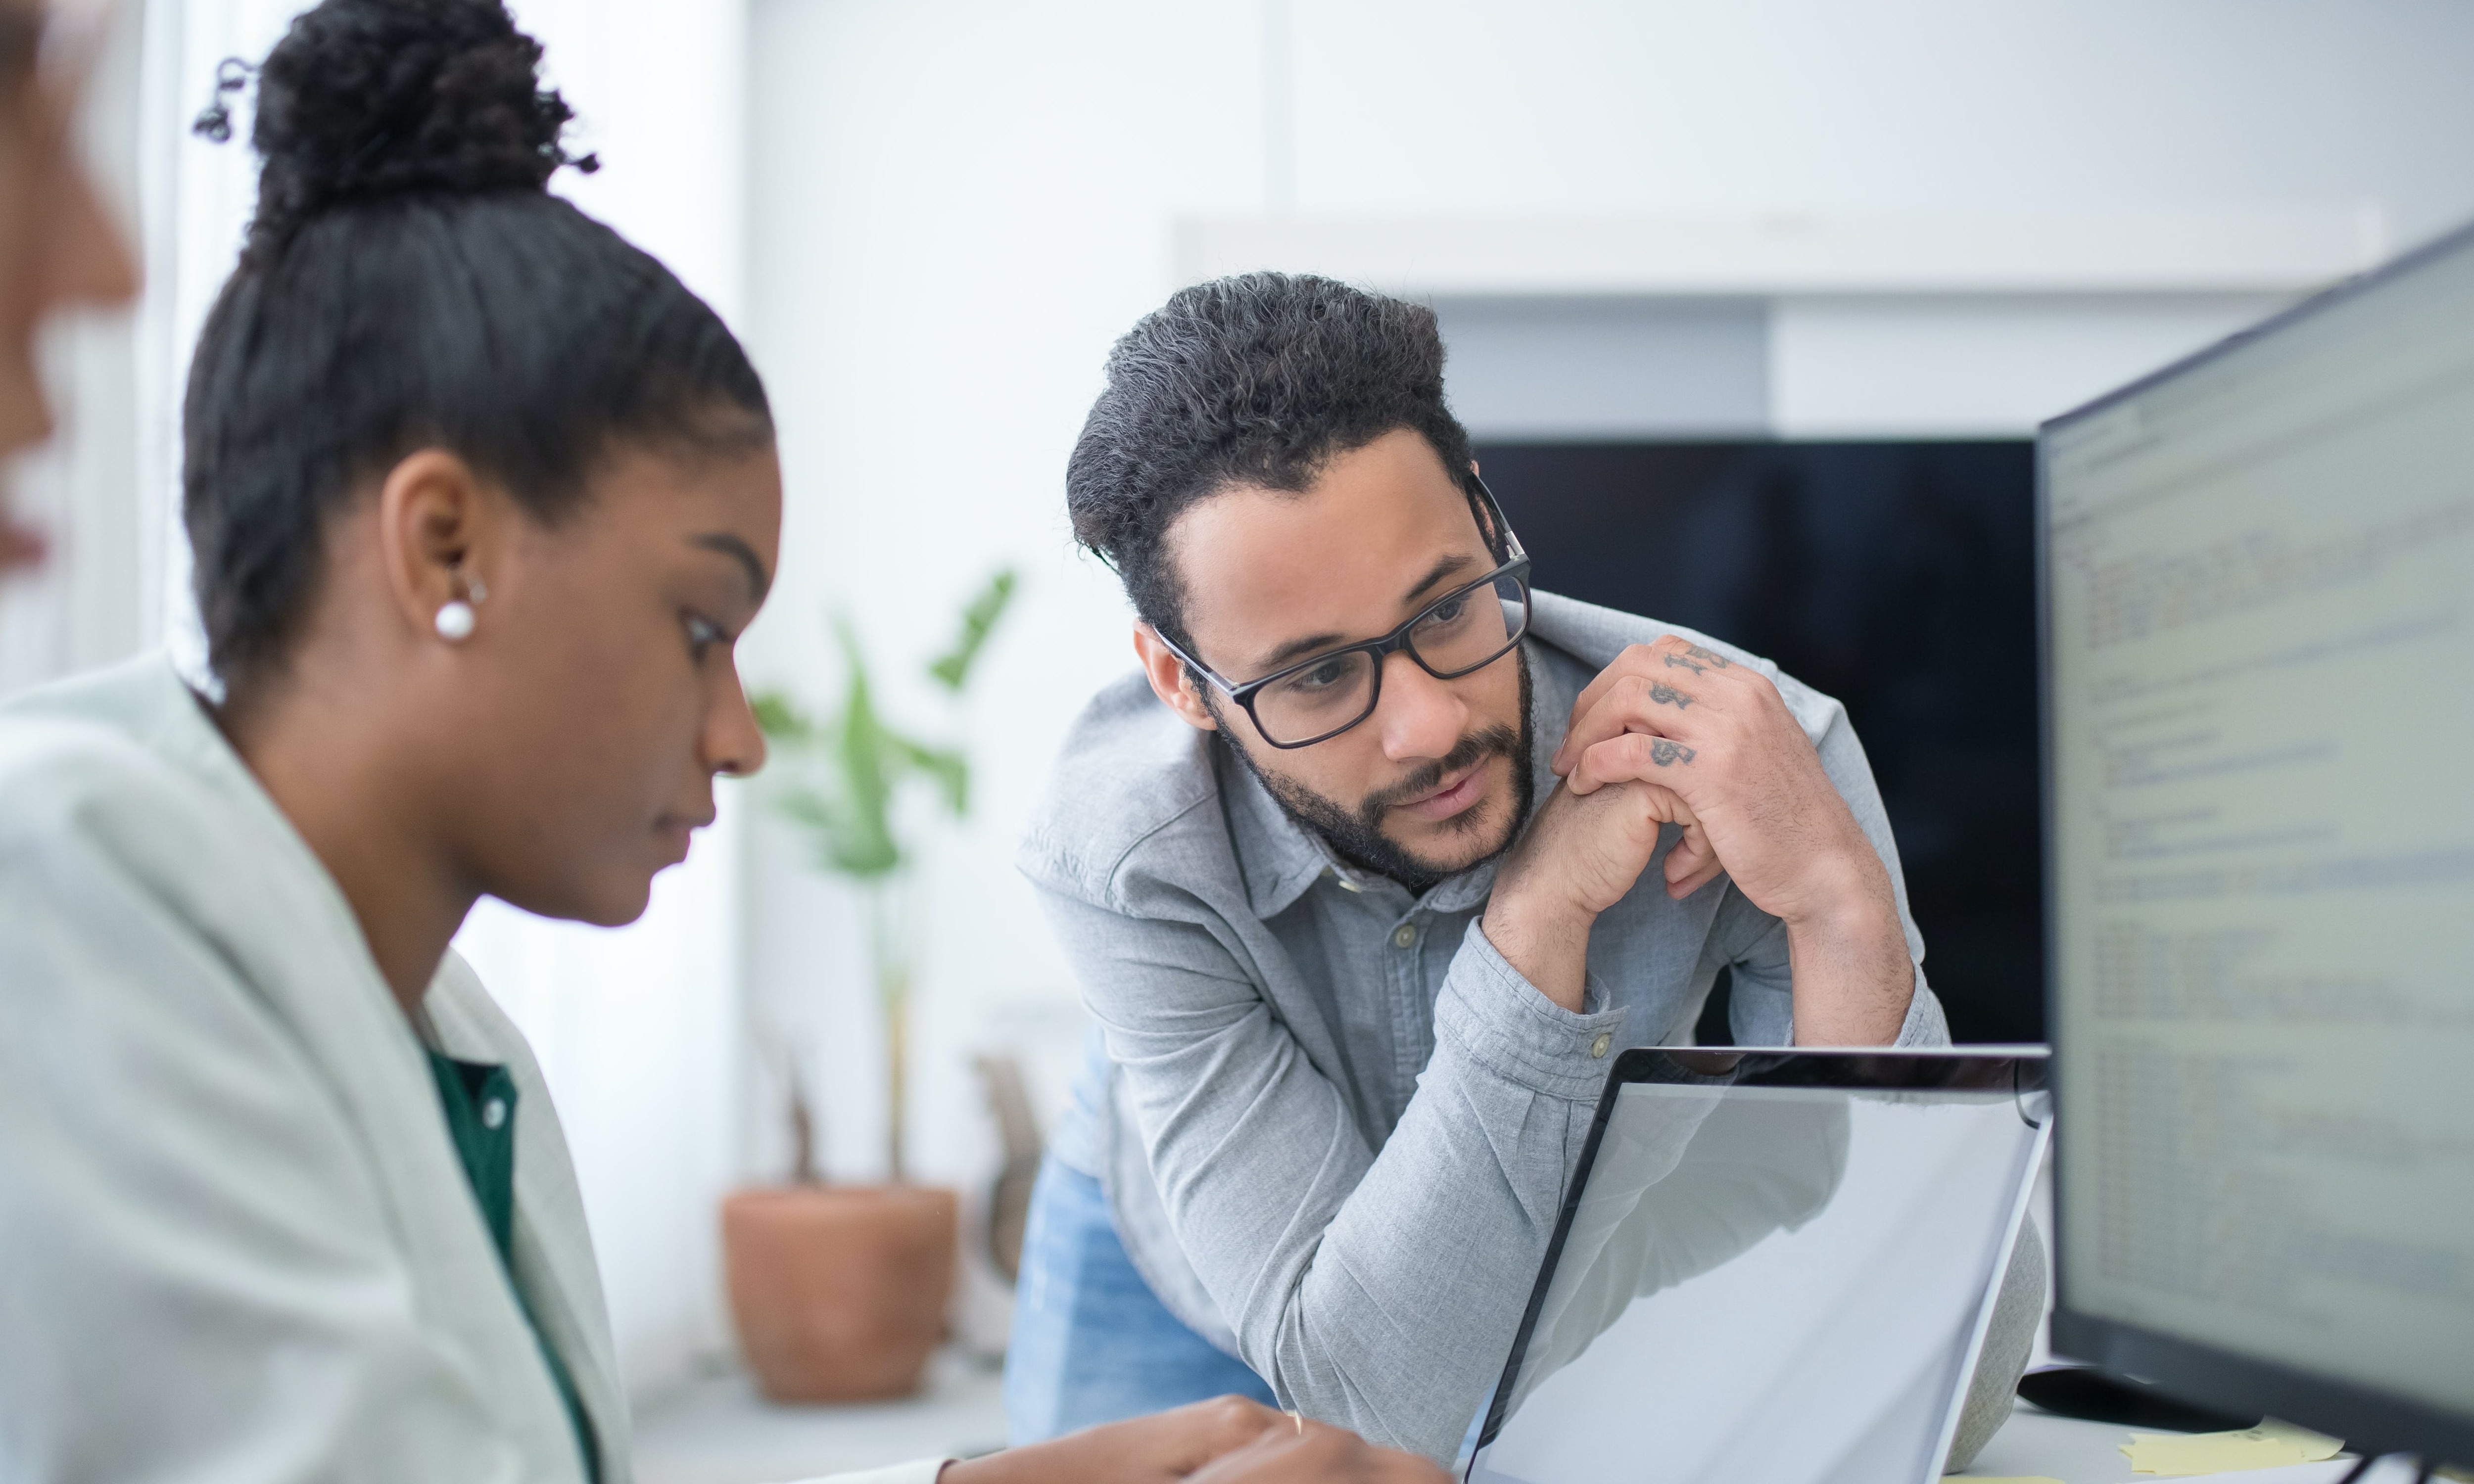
<point>1169,680</point>
<point>435,529</point>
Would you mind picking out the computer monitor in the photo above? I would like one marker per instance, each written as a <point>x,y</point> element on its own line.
<point>2258,621</point>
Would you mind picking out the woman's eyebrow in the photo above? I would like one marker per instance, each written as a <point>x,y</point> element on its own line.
<point>759,581</point>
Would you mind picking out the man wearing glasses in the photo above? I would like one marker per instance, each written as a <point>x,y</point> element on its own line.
<point>1371,871</point>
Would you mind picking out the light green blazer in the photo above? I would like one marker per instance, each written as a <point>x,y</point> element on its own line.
<point>235,1242</point>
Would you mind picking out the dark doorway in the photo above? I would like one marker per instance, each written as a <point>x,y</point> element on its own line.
<point>1899,577</point>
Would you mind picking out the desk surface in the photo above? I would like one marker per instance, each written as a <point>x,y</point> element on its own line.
<point>2036,1444</point>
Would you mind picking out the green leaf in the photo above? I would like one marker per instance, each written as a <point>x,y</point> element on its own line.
<point>953,669</point>
<point>843,776</point>
<point>780,717</point>
<point>864,845</point>
<point>946,767</point>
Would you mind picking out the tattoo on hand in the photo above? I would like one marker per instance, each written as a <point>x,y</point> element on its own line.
<point>1697,660</point>
<point>1659,690</point>
<point>1662,752</point>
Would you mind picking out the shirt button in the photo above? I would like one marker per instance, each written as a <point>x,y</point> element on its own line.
<point>493,1112</point>
<point>1598,1048</point>
<point>1404,937</point>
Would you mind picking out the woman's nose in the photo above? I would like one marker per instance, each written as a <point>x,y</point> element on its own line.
<point>734,742</point>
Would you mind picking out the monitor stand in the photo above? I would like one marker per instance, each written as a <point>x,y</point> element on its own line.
<point>2092,1396</point>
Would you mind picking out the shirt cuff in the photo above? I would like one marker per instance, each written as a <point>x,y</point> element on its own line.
<point>922,1470</point>
<point>1508,1025</point>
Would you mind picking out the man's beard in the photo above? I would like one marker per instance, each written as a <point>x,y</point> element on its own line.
<point>1356,836</point>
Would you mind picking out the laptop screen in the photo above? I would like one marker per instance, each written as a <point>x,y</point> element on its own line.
<point>1779,1276</point>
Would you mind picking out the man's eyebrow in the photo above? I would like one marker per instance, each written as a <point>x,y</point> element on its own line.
<point>759,581</point>
<point>1436,574</point>
<point>1297,649</point>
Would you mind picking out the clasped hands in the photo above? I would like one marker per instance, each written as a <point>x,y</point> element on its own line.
<point>1676,734</point>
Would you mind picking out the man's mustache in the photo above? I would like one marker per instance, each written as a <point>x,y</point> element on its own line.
<point>1487,742</point>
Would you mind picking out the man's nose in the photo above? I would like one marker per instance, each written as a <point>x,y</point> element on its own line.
<point>1421,716</point>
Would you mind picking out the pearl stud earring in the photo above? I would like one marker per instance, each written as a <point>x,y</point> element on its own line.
<point>456,619</point>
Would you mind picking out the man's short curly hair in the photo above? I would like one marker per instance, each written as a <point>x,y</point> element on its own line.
<point>1258,380</point>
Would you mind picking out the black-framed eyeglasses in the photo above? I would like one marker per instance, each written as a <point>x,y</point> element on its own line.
<point>1459,634</point>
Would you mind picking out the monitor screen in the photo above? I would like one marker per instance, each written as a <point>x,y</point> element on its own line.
<point>2259,574</point>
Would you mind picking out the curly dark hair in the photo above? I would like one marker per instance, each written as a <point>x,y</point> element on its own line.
<point>1258,380</point>
<point>409,281</point>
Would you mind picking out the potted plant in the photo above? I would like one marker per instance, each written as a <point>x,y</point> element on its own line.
<point>840,1290</point>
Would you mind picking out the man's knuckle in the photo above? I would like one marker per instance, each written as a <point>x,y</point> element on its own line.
<point>1234,1411</point>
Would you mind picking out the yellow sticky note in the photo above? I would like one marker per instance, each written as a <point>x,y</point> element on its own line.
<point>2271,1445</point>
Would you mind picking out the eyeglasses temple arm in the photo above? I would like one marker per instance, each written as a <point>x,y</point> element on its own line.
<point>1194,664</point>
<point>1493,511</point>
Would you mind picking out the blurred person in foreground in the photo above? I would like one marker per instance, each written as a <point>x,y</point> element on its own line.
<point>1371,871</point>
<point>481,498</point>
<point>57,245</point>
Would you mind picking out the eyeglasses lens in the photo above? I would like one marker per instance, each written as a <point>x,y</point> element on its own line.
<point>1337,692</point>
<point>1322,698</point>
<point>1473,628</point>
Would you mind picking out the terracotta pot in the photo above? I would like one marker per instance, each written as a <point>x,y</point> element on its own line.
<point>840,1291</point>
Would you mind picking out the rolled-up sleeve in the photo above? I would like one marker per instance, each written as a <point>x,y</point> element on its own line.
<point>1375,1290</point>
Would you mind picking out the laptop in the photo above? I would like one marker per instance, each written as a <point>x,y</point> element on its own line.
<point>1771,1265</point>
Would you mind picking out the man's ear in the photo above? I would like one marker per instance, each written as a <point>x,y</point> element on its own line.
<point>436,524</point>
<point>1168,679</point>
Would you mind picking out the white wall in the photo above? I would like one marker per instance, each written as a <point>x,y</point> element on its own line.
<point>956,207</point>
<point>1602,105</point>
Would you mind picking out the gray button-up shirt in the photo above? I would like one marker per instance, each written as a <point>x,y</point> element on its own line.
<point>1333,1122</point>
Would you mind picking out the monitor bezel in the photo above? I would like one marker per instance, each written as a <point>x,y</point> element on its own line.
<point>1856,1067</point>
<point>2190,1369</point>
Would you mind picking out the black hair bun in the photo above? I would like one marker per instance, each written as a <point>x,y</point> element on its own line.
<point>373,98</point>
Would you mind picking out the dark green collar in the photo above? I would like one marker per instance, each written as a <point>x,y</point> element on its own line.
<point>479,1101</point>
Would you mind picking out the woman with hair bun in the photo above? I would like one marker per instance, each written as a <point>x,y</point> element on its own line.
<point>481,498</point>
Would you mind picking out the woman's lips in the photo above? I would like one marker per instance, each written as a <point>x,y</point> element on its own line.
<point>677,835</point>
<point>1452,798</point>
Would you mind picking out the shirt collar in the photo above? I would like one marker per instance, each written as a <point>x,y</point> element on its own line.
<point>1280,859</point>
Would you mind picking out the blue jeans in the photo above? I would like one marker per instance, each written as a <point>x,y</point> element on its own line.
<point>1091,1341</point>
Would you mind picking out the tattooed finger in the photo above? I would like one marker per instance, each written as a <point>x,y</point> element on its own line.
<point>1710,658</point>
<point>1683,663</point>
<point>1662,692</point>
<point>1663,751</point>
